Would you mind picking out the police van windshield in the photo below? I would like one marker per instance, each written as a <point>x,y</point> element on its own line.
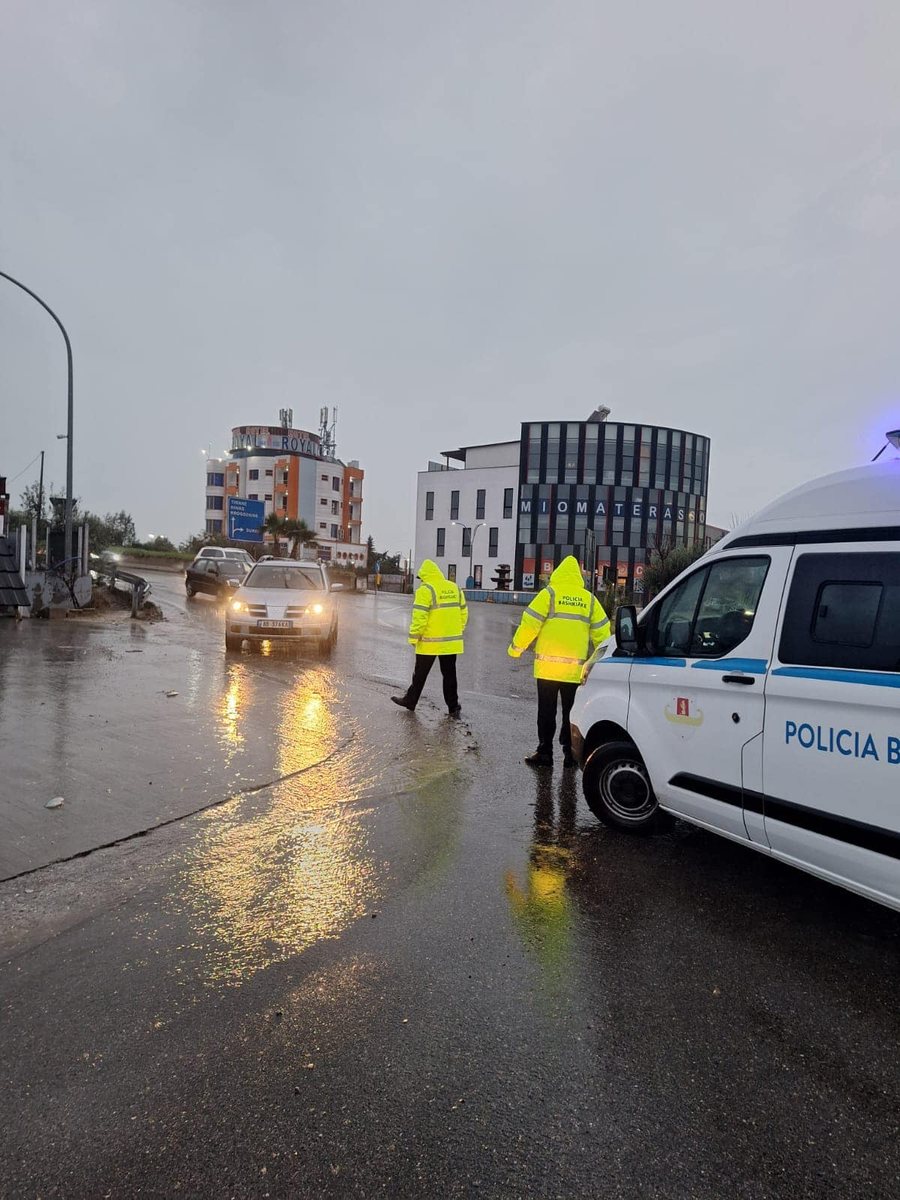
<point>298,579</point>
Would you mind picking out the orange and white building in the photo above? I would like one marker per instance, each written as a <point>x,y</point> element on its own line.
<point>292,473</point>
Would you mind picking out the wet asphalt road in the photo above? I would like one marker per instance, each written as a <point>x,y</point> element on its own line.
<point>395,962</point>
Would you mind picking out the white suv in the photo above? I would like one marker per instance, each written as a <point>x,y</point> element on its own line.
<point>283,599</point>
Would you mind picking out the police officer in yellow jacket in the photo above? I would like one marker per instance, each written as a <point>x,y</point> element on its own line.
<point>568,623</point>
<point>439,616</point>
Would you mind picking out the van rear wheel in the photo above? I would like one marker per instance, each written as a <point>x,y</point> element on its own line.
<point>617,788</point>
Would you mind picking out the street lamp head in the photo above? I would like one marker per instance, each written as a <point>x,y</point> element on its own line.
<point>893,436</point>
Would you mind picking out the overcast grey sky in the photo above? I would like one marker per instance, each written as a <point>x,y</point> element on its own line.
<point>445,219</point>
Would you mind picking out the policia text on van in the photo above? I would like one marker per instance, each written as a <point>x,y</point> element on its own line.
<point>757,696</point>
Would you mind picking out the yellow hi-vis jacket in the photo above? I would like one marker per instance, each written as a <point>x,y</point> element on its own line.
<point>439,613</point>
<point>568,622</point>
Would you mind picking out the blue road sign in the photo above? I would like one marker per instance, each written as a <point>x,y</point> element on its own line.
<point>245,519</point>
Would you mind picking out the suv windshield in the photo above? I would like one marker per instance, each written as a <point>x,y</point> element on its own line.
<point>297,578</point>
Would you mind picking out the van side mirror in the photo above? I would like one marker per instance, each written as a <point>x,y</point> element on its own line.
<point>627,629</point>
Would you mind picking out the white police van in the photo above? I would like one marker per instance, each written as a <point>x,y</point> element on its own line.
<point>758,696</point>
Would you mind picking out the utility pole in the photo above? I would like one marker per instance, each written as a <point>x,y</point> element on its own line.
<point>70,414</point>
<point>40,503</point>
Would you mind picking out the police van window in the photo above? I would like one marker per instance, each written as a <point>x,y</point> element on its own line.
<point>846,613</point>
<point>843,610</point>
<point>728,606</point>
<point>670,634</point>
<point>711,613</point>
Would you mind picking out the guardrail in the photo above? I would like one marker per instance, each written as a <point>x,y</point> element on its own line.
<point>140,588</point>
<point>489,596</point>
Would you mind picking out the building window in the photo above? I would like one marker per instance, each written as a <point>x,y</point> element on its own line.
<point>284,501</point>
<point>253,496</point>
<point>254,473</point>
<point>507,504</point>
<point>213,525</point>
<point>270,472</point>
<point>324,501</point>
<point>479,504</point>
<point>215,502</point>
<point>439,547</point>
<point>215,479</point>
<point>451,572</point>
<point>268,495</point>
<point>324,478</point>
<point>429,506</point>
<point>335,507</point>
<point>454,506</point>
<point>322,525</point>
<point>284,477</point>
<point>466,541</point>
<point>334,532</point>
<point>335,483</point>
<point>493,541</point>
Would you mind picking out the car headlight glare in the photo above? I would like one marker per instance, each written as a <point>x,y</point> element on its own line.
<point>318,609</point>
<point>238,606</point>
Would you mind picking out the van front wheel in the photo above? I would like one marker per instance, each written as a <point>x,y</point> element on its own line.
<point>617,788</point>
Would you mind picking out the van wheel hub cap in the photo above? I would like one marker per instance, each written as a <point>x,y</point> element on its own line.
<point>626,791</point>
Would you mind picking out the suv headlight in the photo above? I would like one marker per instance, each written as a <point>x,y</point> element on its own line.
<point>238,606</point>
<point>317,609</point>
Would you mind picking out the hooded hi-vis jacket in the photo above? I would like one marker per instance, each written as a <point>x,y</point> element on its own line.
<point>568,623</point>
<point>439,613</point>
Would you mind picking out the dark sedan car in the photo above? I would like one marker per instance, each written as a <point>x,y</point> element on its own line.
<point>216,577</point>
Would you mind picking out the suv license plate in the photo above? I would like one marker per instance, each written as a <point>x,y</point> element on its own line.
<point>273,624</point>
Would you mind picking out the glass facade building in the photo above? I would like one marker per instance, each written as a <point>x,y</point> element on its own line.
<point>607,491</point>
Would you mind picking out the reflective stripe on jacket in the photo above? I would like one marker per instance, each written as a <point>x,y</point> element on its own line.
<point>439,613</point>
<point>565,622</point>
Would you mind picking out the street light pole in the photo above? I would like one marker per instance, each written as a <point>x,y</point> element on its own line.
<point>71,412</point>
<point>472,532</point>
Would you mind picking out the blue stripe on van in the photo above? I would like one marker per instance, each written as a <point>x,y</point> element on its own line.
<point>640,661</point>
<point>835,675</point>
<point>753,666</point>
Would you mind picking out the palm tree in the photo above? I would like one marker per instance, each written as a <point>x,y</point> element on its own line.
<point>297,533</point>
<point>300,534</point>
<point>274,526</point>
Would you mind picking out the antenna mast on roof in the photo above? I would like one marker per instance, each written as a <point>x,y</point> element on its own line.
<point>327,432</point>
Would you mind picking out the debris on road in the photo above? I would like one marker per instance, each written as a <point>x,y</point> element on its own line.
<point>171,694</point>
<point>56,802</point>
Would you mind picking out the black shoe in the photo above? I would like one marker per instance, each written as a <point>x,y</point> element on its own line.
<point>456,713</point>
<point>403,702</point>
<point>539,759</point>
<point>570,763</point>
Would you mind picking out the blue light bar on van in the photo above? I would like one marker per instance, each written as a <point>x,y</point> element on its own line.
<point>893,439</point>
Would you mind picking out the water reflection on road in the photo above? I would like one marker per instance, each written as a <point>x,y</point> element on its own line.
<point>273,874</point>
<point>293,863</point>
<point>538,897</point>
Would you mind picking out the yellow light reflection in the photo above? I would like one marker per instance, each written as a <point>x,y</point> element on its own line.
<point>275,873</point>
<point>540,905</point>
<point>231,707</point>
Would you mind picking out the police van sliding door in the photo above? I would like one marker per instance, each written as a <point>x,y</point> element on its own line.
<point>697,694</point>
<point>831,746</point>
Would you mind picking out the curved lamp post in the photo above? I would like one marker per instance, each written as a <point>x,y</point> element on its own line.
<point>472,531</point>
<point>71,411</point>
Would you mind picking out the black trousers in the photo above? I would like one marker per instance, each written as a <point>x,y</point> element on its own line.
<point>424,663</point>
<point>548,690</point>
